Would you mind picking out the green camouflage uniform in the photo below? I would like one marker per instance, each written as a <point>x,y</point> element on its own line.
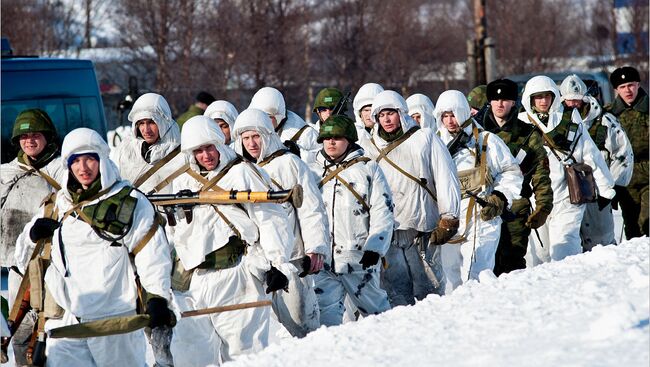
<point>194,110</point>
<point>633,199</point>
<point>521,138</point>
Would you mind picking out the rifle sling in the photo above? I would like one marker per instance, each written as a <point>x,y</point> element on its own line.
<point>156,167</point>
<point>170,178</point>
<point>52,182</point>
<point>550,142</point>
<point>297,135</point>
<point>335,173</point>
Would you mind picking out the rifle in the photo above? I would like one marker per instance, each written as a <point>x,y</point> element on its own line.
<point>340,104</point>
<point>506,215</point>
<point>186,199</point>
<point>481,113</point>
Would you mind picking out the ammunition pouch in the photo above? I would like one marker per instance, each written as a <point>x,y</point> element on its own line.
<point>40,299</point>
<point>113,214</point>
<point>223,258</point>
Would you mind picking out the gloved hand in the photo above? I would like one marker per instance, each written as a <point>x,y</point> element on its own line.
<point>293,147</point>
<point>446,229</point>
<point>494,207</point>
<point>275,280</point>
<point>43,228</point>
<point>602,202</point>
<point>159,313</point>
<point>316,261</point>
<point>306,266</point>
<point>537,218</point>
<point>369,258</point>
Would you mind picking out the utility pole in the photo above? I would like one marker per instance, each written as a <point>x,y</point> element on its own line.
<point>480,30</point>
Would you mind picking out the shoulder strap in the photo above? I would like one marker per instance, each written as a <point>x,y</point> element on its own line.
<point>271,157</point>
<point>297,135</point>
<point>355,193</point>
<point>170,178</point>
<point>228,222</point>
<point>44,175</point>
<point>214,180</point>
<point>156,167</point>
<point>383,153</point>
<point>144,240</point>
<point>411,177</point>
<point>77,206</point>
<point>331,174</point>
<point>548,141</point>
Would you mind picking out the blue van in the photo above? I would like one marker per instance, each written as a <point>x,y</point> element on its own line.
<point>66,89</point>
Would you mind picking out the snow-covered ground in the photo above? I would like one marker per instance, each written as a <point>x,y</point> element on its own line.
<point>592,309</point>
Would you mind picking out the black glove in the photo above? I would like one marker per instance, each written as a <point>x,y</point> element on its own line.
<point>369,258</point>
<point>43,228</point>
<point>159,314</point>
<point>275,280</point>
<point>306,266</point>
<point>602,202</point>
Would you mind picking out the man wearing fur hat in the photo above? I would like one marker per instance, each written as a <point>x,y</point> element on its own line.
<point>527,146</point>
<point>25,182</point>
<point>631,109</point>
<point>612,141</point>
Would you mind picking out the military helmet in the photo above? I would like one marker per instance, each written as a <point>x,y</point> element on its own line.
<point>33,120</point>
<point>338,126</point>
<point>477,97</point>
<point>328,97</point>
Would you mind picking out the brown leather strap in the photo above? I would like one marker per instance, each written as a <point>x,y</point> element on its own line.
<point>156,167</point>
<point>228,222</point>
<point>355,193</point>
<point>214,180</point>
<point>331,174</point>
<point>297,135</point>
<point>383,153</point>
<point>52,182</point>
<point>411,177</point>
<point>548,141</point>
<point>170,178</point>
<point>144,240</point>
<point>271,157</point>
<point>77,206</point>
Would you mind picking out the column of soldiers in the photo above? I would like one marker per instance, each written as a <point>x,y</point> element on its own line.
<point>408,200</point>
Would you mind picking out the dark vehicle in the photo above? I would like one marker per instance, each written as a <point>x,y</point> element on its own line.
<point>66,89</point>
<point>597,83</point>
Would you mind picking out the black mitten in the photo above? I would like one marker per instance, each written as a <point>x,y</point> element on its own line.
<point>369,258</point>
<point>43,228</point>
<point>159,313</point>
<point>306,266</point>
<point>275,280</point>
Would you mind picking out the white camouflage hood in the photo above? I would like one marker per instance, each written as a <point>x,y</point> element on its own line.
<point>419,103</point>
<point>201,130</point>
<point>271,101</point>
<point>222,110</point>
<point>257,120</point>
<point>538,84</point>
<point>84,140</point>
<point>389,99</point>
<point>455,102</point>
<point>154,106</point>
<point>364,97</point>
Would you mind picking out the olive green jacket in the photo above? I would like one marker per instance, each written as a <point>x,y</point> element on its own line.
<point>191,112</point>
<point>527,146</point>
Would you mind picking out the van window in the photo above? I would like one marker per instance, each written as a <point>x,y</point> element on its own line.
<point>66,113</point>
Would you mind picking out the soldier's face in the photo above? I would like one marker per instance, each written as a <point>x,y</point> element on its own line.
<point>365,116</point>
<point>628,91</point>
<point>324,113</point>
<point>225,129</point>
<point>501,107</point>
<point>542,102</point>
<point>149,130</point>
<point>389,120</point>
<point>450,122</point>
<point>335,147</point>
<point>85,169</point>
<point>418,118</point>
<point>32,144</point>
<point>207,156</point>
<point>252,143</point>
<point>573,103</point>
<point>274,121</point>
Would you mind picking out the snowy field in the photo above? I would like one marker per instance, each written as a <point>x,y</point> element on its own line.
<point>591,309</point>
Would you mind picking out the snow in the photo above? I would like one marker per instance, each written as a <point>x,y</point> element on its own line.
<point>591,309</point>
